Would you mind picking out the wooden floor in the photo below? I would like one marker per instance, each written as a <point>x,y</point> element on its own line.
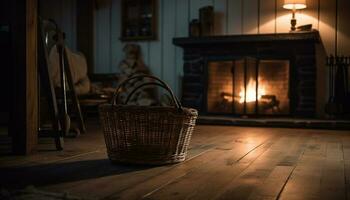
<point>224,162</point>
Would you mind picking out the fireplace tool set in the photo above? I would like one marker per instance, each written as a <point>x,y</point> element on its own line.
<point>57,99</point>
<point>339,94</point>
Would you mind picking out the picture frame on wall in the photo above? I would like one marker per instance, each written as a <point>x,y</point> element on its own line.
<point>139,20</point>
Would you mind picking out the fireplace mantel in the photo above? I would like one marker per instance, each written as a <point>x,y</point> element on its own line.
<point>299,48</point>
<point>309,36</point>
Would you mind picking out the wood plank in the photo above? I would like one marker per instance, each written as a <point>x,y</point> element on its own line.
<point>283,18</point>
<point>46,11</point>
<point>346,156</point>
<point>23,124</point>
<point>220,17</point>
<point>168,62</point>
<point>156,47</point>
<point>343,28</point>
<point>65,14</point>
<point>235,16</point>
<point>181,30</point>
<point>327,25</point>
<point>272,186</point>
<point>85,31</point>
<point>285,152</point>
<point>102,41</point>
<point>31,79</point>
<point>305,180</point>
<point>346,146</point>
<point>224,162</point>
<point>211,175</point>
<point>194,9</point>
<point>45,174</point>
<point>333,173</point>
<point>69,23</point>
<point>309,15</point>
<point>347,178</point>
<point>117,54</point>
<point>317,147</point>
<point>114,184</point>
<point>267,16</point>
<point>250,16</point>
<point>172,176</point>
<point>145,52</point>
<point>45,154</point>
<point>318,176</point>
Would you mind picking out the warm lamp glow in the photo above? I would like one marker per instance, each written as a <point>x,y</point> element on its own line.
<point>294,4</point>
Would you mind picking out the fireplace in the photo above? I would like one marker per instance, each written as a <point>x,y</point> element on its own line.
<point>248,87</point>
<point>251,75</point>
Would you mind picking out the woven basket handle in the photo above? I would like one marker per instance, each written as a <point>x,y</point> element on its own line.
<point>160,83</point>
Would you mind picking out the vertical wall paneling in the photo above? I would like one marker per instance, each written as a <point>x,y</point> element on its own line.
<point>110,55</point>
<point>231,17</point>
<point>283,18</point>
<point>267,16</point>
<point>344,27</point>
<point>145,51</point>
<point>102,42</point>
<point>155,47</point>
<point>168,61</point>
<point>85,10</point>
<point>195,5</point>
<point>250,16</point>
<point>116,45</point>
<point>327,25</point>
<point>234,17</point>
<point>181,30</point>
<point>220,14</point>
<point>309,15</point>
<point>64,13</point>
<point>68,23</point>
<point>51,9</point>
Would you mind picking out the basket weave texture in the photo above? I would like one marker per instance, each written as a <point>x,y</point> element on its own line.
<point>147,134</point>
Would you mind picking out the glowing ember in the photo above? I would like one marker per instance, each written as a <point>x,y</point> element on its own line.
<point>251,92</point>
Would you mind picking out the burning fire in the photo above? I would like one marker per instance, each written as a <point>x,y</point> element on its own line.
<point>251,92</point>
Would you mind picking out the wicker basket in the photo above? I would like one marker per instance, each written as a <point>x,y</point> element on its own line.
<point>147,134</point>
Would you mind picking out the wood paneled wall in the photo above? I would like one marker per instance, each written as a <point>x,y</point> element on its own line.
<point>231,17</point>
<point>64,13</point>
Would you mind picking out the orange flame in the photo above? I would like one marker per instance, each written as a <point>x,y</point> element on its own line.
<point>251,91</point>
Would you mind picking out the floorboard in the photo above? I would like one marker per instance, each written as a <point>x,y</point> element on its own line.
<point>223,162</point>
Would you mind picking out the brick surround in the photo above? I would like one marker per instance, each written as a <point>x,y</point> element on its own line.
<point>299,49</point>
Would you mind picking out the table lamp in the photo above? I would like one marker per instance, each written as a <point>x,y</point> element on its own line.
<point>294,5</point>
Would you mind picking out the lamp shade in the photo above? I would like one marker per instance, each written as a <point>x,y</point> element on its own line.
<point>294,4</point>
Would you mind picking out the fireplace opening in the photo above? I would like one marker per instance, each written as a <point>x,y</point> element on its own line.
<point>248,87</point>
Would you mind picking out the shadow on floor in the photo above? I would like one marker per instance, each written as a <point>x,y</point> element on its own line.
<point>55,173</point>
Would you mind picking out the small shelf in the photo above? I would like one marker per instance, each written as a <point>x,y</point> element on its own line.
<point>138,20</point>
